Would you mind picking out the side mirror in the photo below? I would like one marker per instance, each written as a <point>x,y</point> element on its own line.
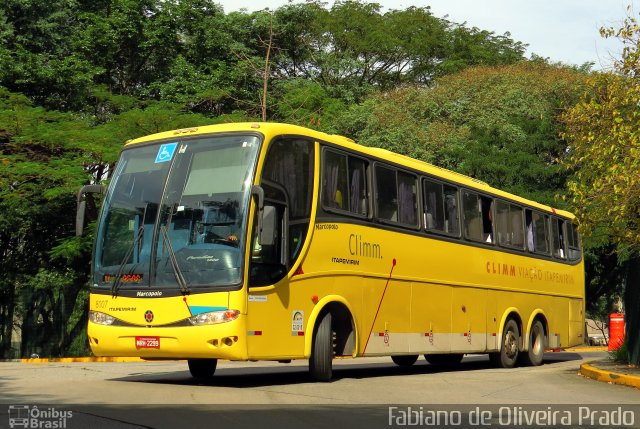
<point>82,204</point>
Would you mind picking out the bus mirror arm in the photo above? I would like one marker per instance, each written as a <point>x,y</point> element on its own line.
<point>82,204</point>
<point>257,191</point>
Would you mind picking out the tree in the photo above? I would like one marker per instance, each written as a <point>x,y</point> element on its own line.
<point>42,157</point>
<point>604,135</point>
<point>497,124</point>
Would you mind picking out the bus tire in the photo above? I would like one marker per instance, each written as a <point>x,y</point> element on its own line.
<point>445,360</point>
<point>508,354</point>
<point>404,360</point>
<point>320,363</point>
<point>537,344</point>
<point>202,369</point>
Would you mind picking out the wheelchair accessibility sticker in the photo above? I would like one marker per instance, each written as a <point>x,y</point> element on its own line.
<point>165,153</point>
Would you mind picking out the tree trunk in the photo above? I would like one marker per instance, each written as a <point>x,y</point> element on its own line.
<point>6,321</point>
<point>632,310</point>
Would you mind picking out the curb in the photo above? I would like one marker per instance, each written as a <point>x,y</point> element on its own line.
<point>609,377</point>
<point>587,349</point>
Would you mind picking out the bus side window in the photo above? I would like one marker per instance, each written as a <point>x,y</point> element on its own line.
<point>433,205</point>
<point>486,205</point>
<point>472,216</point>
<point>452,217</point>
<point>396,196</point>
<point>335,182</point>
<point>386,194</point>
<point>557,236</point>
<point>344,183</point>
<point>573,241</point>
<point>407,198</point>
<point>440,207</point>
<point>509,226</point>
<point>537,232</point>
<point>478,217</point>
<point>358,203</point>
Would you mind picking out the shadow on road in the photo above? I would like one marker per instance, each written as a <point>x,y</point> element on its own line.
<point>249,377</point>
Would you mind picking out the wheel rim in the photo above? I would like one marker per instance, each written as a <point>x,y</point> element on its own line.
<point>510,345</point>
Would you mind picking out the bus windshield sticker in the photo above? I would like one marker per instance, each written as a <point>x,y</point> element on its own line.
<point>165,153</point>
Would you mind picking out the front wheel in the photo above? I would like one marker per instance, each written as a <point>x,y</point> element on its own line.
<point>536,346</point>
<point>404,360</point>
<point>202,369</point>
<point>320,363</point>
<point>508,354</point>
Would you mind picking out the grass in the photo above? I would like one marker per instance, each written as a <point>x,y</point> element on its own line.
<point>621,354</point>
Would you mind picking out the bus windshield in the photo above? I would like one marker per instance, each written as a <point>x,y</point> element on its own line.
<point>182,200</point>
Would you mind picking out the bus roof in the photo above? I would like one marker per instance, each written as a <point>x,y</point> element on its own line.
<point>272,129</point>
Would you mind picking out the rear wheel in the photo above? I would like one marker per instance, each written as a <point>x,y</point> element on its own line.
<point>508,354</point>
<point>320,363</point>
<point>536,346</point>
<point>202,369</point>
<point>448,360</point>
<point>404,360</point>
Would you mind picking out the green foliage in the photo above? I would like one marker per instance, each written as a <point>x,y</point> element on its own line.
<point>621,354</point>
<point>497,124</point>
<point>605,162</point>
<point>605,275</point>
<point>306,103</point>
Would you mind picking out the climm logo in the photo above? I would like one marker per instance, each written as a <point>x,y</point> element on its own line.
<point>498,268</point>
<point>360,247</point>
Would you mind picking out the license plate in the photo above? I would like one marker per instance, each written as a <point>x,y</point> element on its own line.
<point>147,342</point>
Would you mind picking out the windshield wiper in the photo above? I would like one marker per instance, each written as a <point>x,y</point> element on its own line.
<point>116,282</point>
<point>184,288</point>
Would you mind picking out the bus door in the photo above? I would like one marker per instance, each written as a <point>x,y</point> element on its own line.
<point>273,317</point>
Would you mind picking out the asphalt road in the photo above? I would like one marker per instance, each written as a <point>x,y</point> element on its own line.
<point>163,394</point>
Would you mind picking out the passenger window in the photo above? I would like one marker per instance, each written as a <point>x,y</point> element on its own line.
<point>407,198</point>
<point>537,232</point>
<point>358,186</point>
<point>573,241</point>
<point>386,194</point>
<point>345,183</point>
<point>478,223</point>
<point>396,196</point>
<point>335,180</point>
<point>557,236</point>
<point>509,225</point>
<point>440,207</point>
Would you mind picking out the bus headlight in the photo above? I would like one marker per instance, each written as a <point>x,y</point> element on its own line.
<point>101,318</point>
<point>214,317</point>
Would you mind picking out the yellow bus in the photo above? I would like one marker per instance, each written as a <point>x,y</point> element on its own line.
<point>266,241</point>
